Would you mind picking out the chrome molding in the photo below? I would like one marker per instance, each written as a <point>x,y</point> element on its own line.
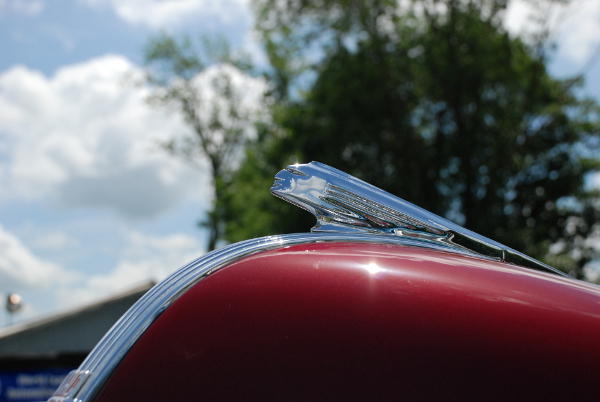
<point>343,203</point>
<point>347,210</point>
<point>103,359</point>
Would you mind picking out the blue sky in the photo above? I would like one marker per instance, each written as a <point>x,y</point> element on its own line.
<point>89,204</point>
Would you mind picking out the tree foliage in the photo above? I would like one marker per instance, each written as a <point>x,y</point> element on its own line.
<point>432,101</point>
<point>198,83</point>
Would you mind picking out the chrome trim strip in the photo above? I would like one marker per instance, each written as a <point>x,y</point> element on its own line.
<point>104,358</point>
<point>343,203</point>
<point>347,210</point>
<point>70,386</point>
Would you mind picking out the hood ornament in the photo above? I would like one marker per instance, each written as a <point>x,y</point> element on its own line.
<point>343,203</point>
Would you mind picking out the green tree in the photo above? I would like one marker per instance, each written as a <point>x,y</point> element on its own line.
<point>199,83</point>
<point>434,102</point>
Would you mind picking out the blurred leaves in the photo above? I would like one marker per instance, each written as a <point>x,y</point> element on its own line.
<point>204,84</point>
<point>432,101</point>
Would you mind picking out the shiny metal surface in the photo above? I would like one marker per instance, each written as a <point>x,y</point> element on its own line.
<point>349,321</point>
<point>343,203</point>
<point>116,343</point>
<point>70,386</point>
<point>347,210</point>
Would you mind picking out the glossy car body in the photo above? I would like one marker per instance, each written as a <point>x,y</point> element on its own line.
<point>383,302</point>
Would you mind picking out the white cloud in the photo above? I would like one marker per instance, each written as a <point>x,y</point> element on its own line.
<point>575,27</point>
<point>161,13</point>
<point>53,241</point>
<point>595,180</point>
<point>245,93</point>
<point>20,268</point>
<point>22,6</point>
<point>247,90</point>
<point>145,257</point>
<point>579,35</point>
<point>517,16</point>
<point>86,138</point>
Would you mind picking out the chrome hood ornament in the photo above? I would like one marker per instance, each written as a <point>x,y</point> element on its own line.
<point>343,203</point>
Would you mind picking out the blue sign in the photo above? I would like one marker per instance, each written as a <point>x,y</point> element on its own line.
<point>30,385</point>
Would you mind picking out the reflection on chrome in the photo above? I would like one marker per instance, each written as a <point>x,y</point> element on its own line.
<point>343,203</point>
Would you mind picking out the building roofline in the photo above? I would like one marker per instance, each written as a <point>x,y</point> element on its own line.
<point>22,327</point>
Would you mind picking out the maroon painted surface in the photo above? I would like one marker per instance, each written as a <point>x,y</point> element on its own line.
<point>369,322</point>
